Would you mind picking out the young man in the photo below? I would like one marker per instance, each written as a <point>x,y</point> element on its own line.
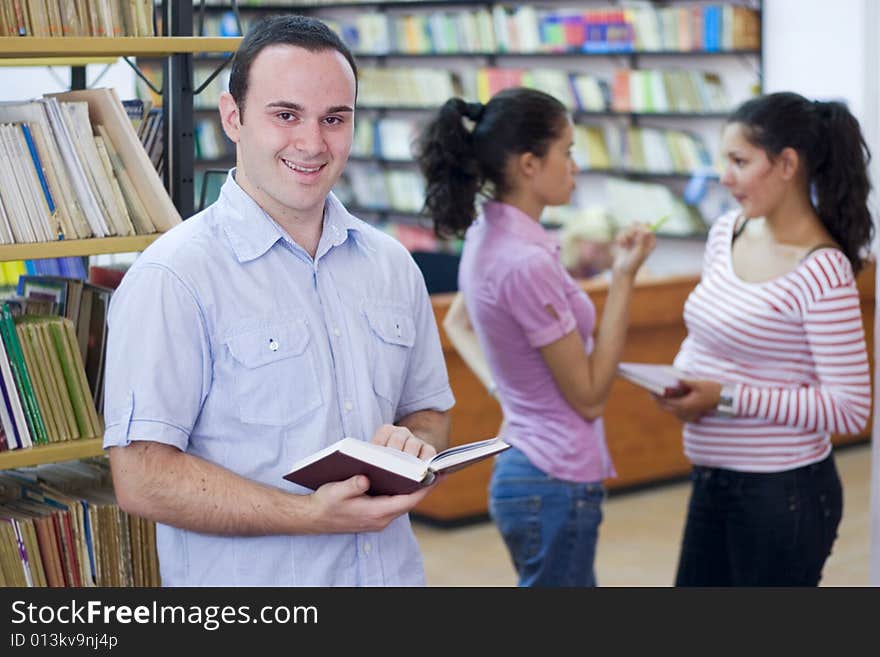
<point>264,328</point>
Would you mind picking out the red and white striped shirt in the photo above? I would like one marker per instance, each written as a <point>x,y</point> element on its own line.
<point>794,348</point>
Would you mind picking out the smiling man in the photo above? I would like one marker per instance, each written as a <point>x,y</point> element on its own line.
<point>264,328</point>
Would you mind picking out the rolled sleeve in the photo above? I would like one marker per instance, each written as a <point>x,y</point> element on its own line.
<point>531,291</point>
<point>157,355</point>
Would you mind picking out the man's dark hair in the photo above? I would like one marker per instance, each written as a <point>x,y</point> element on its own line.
<point>290,30</point>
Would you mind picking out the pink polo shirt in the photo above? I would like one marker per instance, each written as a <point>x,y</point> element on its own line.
<point>510,273</point>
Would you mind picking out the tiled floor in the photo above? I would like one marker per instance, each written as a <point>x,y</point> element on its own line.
<point>639,537</point>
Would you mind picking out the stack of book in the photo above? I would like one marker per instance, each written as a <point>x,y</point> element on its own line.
<point>101,18</point>
<point>147,123</point>
<point>52,341</point>
<point>636,26</point>
<point>60,526</point>
<point>79,170</point>
<point>411,86</point>
<point>668,91</point>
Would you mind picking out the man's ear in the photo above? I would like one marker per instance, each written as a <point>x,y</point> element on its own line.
<point>790,161</point>
<point>230,116</point>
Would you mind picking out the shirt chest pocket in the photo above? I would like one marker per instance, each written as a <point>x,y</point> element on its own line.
<point>392,333</point>
<point>275,381</point>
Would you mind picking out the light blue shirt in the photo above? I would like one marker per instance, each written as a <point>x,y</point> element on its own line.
<point>229,342</point>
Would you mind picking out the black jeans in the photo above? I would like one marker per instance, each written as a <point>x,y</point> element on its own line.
<point>760,529</point>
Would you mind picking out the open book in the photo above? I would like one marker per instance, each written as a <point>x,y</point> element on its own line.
<point>662,380</point>
<point>391,472</point>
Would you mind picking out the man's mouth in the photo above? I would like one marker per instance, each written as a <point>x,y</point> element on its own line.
<point>299,168</point>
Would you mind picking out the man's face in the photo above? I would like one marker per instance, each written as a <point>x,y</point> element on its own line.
<point>295,134</point>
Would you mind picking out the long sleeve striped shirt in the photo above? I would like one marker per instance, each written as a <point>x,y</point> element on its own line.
<point>792,347</point>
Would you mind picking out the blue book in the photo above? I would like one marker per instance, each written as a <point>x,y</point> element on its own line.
<point>38,165</point>
<point>72,267</point>
<point>712,28</point>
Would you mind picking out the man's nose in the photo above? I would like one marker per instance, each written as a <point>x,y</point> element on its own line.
<point>310,139</point>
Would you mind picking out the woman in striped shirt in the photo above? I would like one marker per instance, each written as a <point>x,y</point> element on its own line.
<point>775,352</point>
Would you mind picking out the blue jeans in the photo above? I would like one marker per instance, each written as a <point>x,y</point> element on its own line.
<point>550,526</point>
<point>760,529</point>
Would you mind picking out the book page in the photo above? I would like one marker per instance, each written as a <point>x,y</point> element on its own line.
<point>461,455</point>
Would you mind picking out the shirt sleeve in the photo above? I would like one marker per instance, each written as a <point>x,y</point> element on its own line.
<point>158,360</point>
<point>426,383</point>
<point>840,401</point>
<point>534,293</point>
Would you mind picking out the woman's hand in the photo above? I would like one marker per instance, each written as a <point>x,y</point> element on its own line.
<point>631,248</point>
<point>701,397</point>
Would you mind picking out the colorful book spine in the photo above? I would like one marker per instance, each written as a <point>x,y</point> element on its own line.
<point>38,165</point>
<point>22,378</point>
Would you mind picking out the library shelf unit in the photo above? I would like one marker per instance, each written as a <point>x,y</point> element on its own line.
<point>77,52</point>
<point>744,65</point>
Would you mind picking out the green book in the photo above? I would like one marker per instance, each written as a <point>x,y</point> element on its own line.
<point>22,378</point>
<point>69,367</point>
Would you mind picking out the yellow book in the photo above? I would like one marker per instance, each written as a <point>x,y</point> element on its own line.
<point>35,368</point>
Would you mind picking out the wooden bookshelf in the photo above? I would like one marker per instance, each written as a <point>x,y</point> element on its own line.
<point>64,248</point>
<point>68,450</point>
<point>67,47</point>
<point>54,61</point>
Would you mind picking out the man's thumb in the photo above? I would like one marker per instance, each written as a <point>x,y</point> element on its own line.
<point>359,484</point>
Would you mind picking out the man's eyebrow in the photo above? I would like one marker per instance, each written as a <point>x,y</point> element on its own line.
<point>283,104</point>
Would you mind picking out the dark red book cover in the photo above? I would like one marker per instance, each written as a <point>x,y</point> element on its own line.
<point>106,276</point>
<point>338,467</point>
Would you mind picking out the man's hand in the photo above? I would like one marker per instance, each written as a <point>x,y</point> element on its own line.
<point>342,507</point>
<point>403,439</point>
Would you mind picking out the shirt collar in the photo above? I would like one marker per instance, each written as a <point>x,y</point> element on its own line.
<point>501,216</point>
<point>252,232</point>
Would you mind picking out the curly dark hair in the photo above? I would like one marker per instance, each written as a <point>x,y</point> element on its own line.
<point>458,163</point>
<point>829,141</point>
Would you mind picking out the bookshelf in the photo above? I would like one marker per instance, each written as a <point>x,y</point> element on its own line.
<point>127,543</point>
<point>73,47</point>
<point>78,51</point>
<point>740,68</point>
<point>87,247</point>
<point>69,450</point>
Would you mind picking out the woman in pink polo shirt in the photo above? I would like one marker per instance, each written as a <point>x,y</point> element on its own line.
<point>532,322</point>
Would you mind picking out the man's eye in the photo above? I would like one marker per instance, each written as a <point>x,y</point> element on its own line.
<point>285,116</point>
<point>333,120</point>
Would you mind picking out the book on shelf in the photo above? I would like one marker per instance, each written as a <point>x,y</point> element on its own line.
<point>35,426</point>
<point>60,526</point>
<point>391,471</point>
<point>78,18</point>
<point>79,171</point>
<point>84,303</point>
<point>661,380</point>
<point>47,396</point>
<point>106,109</point>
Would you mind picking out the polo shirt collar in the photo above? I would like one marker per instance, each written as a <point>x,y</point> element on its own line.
<point>501,216</point>
<point>252,232</point>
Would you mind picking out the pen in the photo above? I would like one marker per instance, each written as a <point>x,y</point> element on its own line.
<point>659,223</point>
